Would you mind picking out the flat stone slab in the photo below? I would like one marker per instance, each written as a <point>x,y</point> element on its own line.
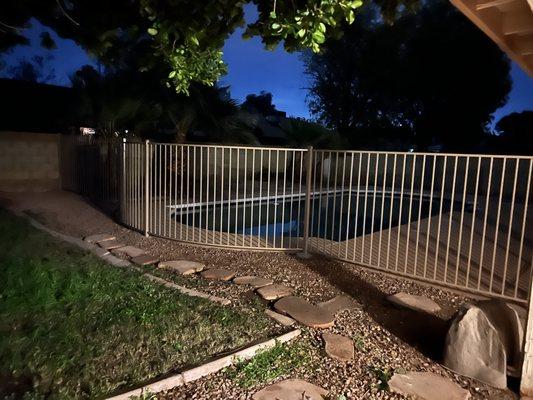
<point>282,319</point>
<point>99,237</point>
<point>291,389</point>
<point>414,302</point>
<point>218,274</point>
<point>145,259</point>
<point>304,312</point>
<point>338,346</point>
<point>110,244</point>
<point>183,267</point>
<point>254,281</point>
<point>427,386</point>
<point>274,292</point>
<point>339,303</point>
<point>130,251</point>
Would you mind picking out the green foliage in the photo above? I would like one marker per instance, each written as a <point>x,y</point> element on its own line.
<point>359,342</point>
<point>74,327</point>
<point>416,81</point>
<point>307,133</point>
<point>183,39</point>
<point>270,364</point>
<point>383,376</point>
<point>302,27</point>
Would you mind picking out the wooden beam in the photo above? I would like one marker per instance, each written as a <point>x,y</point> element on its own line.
<point>481,4</point>
<point>523,44</point>
<point>520,22</point>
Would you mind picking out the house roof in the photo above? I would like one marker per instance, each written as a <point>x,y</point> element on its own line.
<point>509,23</point>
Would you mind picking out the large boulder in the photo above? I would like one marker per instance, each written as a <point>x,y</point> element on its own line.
<point>483,339</point>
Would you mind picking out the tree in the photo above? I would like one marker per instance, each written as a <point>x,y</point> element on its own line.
<point>34,70</point>
<point>431,76</point>
<point>515,132</point>
<point>182,39</point>
<point>261,103</point>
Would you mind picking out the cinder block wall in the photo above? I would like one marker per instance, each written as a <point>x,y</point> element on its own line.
<point>29,161</point>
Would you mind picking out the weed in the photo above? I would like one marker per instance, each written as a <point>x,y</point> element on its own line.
<point>383,375</point>
<point>359,342</point>
<point>270,364</point>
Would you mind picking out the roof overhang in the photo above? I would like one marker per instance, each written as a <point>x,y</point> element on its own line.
<point>509,23</point>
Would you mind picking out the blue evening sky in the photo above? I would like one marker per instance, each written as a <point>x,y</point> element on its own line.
<point>251,69</point>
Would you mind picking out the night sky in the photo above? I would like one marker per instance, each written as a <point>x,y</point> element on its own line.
<point>251,69</point>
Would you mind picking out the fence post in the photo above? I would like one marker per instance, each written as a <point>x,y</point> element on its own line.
<point>307,212</point>
<point>526,381</point>
<point>123,198</point>
<point>146,187</point>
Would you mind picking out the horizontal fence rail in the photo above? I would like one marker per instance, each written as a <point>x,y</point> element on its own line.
<point>455,220</point>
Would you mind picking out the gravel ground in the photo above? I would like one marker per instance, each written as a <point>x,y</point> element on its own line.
<point>387,338</point>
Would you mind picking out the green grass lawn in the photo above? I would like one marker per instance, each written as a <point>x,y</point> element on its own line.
<point>72,326</point>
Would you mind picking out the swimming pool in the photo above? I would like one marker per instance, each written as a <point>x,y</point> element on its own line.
<point>334,216</point>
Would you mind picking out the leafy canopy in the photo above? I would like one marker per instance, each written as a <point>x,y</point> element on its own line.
<point>181,38</point>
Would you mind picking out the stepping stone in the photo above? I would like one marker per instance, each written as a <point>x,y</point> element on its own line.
<point>183,267</point>
<point>99,237</point>
<point>339,303</point>
<point>130,251</point>
<point>282,319</point>
<point>291,389</point>
<point>414,302</point>
<point>218,274</point>
<point>304,312</point>
<point>254,281</point>
<point>274,292</point>
<point>110,244</point>
<point>145,259</point>
<point>338,346</point>
<point>427,386</point>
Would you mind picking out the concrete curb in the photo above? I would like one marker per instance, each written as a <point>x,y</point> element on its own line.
<point>117,262</point>
<point>206,369</point>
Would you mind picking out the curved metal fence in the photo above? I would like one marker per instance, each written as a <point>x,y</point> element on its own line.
<point>456,220</point>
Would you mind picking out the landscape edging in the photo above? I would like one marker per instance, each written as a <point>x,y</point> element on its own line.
<point>117,262</point>
<point>206,369</point>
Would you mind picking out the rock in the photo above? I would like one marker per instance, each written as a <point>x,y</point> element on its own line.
<point>130,251</point>
<point>274,291</point>
<point>291,389</point>
<point>183,267</point>
<point>282,319</point>
<point>145,259</point>
<point>414,302</point>
<point>483,339</point>
<point>218,274</point>
<point>338,303</point>
<point>99,237</point>
<point>427,386</point>
<point>110,244</point>
<point>254,281</point>
<point>304,312</point>
<point>338,346</point>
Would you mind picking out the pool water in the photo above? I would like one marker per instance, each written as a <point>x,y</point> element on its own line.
<point>334,216</point>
